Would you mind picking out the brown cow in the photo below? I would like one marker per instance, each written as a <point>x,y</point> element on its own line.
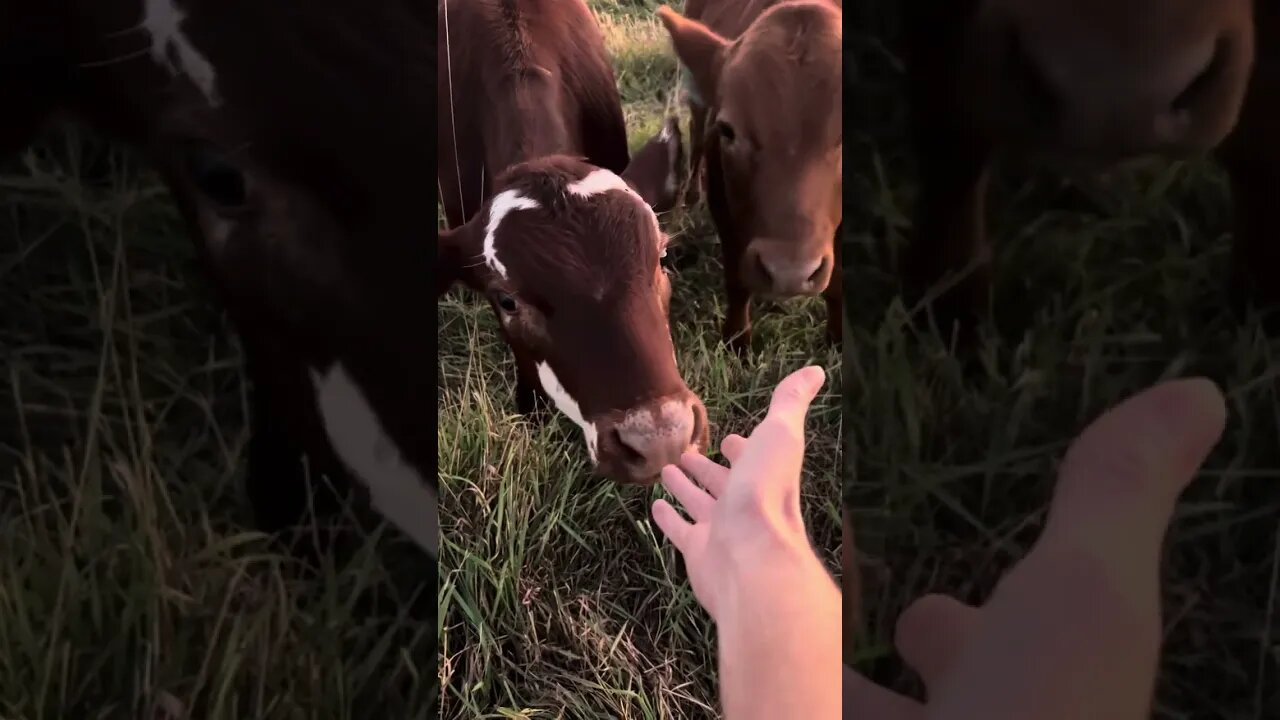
<point>1088,83</point>
<point>290,134</point>
<point>767,122</point>
<point>568,256</point>
<point>520,79</point>
<point>566,250</point>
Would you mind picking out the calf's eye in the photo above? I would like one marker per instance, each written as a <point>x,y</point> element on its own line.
<point>216,178</point>
<point>507,303</point>
<point>727,133</point>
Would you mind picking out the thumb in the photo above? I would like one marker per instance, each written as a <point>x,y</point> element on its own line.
<point>792,396</point>
<point>1122,476</point>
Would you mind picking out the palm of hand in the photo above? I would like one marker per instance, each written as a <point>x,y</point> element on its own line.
<point>743,513</point>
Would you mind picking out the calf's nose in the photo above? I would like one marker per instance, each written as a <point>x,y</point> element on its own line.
<point>648,438</point>
<point>775,268</point>
<point>1103,98</point>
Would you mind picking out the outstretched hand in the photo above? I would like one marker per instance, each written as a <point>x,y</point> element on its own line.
<point>776,609</point>
<point>1073,631</point>
<point>745,515</point>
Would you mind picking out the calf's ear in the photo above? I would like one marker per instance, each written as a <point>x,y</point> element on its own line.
<point>457,252</point>
<point>654,171</point>
<point>700,51</point>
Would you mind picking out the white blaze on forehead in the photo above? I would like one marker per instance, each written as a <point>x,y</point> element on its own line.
<point>567,405</point>
<point>162,20</point>
<point>503,203</point>
<point>598,181</point>
<point>396,489</point>
<point>601,181</point>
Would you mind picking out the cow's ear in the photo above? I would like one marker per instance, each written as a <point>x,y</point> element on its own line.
<point>654,171</point>
<point>457,251</point>
<point>700,50</point>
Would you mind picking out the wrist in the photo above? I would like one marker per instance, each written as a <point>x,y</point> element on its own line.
<point>779,636</point>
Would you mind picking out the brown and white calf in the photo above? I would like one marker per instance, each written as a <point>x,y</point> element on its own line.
<point>1088,83</point>
<point>555,227</point>
<point>290,135</point>
<point>767,123</point>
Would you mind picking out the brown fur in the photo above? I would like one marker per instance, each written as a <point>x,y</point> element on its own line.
<point>1087,84</point>
<point>773,179</point>
<point>520,79</point>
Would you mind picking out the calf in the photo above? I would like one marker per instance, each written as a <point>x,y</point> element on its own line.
<point>767,122</point>
<point>568,256</point>
<point>1088,82</point>
<point>300,179</point>
<point>555,227</point>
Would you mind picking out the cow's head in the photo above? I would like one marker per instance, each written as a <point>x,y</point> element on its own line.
<point>1105,80</point>
<point>774,139</point>
<point>302,180</point>
<point>568,256</point>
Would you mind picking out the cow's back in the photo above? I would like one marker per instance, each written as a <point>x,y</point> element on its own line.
<point>521,79</point>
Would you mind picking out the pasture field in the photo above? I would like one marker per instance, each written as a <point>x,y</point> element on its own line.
<point>558,596</point>
<point>1104,287</point>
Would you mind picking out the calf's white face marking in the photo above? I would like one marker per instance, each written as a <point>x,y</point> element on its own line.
<point>598,181</point>
<point>171,49</point>
<point>396,489</point>
<point>567,405</point>
<point>602,181</point>
<point>503,203</point>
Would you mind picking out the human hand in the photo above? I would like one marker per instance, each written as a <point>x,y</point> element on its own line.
<point>1073,631</point>
<point>747,519</point>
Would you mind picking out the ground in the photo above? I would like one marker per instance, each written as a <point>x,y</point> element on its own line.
<point>559,597</point>
<point>1104,288</point>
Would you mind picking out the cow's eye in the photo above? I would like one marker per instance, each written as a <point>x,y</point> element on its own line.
<point>216,178</point>
<point>727,133</point>
<point>507,303</point>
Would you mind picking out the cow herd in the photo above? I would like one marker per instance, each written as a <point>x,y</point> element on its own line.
<point>553,223</point>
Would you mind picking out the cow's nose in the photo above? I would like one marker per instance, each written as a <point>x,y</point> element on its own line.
<point>653,436</point>
<point>1176,95</point>
<point>775,268</point>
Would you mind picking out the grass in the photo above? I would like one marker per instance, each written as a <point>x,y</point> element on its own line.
<point>559,597</point>
<point>131,582</point>
<point>1104,288</point>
